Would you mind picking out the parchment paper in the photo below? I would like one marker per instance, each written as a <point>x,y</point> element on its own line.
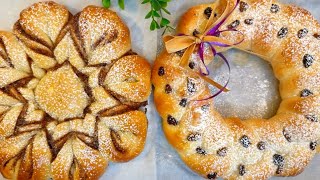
<point>159,160</point>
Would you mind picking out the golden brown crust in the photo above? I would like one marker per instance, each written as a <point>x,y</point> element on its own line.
<point>70,94</point>
<point>120,149</point>
<point>103,31</point>
<point>130,78</point>
<point>255,148</point>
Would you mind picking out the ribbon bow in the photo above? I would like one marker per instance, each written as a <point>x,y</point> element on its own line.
<point>210,37</point>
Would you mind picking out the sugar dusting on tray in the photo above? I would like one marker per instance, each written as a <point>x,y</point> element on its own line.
<point>253,87</point>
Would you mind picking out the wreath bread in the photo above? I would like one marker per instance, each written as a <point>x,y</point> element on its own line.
<point>70,93</point>
<point>286,36</point>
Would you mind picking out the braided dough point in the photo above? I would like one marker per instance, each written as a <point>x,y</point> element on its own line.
<point>284,35</point>
<point>130,77</point>
<point>71,92</point>
<point>102,32</point>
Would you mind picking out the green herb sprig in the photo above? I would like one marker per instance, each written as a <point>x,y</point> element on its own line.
<point>157,8</point>
<point>107,3</point>
<point>156,13</point>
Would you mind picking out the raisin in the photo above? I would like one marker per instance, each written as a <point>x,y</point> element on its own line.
<point>242,170</point>
<point>248,21</point>
<point>278,160</point>
<point>172,121</point>
<point>161,71</point>
<point>208,12</point>
<point>302,33</point>
<point>201,151</point>
<point>282,32</point>
<point>306,93</point>
<point>191,86</point>
<point>234,24</point>
<point>222,152</point>
<point>245,141</point>
<point>195,32</point>
<point>212,176</point>
<point>286,135</point>
<point>192,65</point>
<point>307,60</point>
<point>261,145</point>
<point>243,6</point>
<point>312,118</point>
<point>313,145</point>
<point>205,107</point>
<point>183,102</point>
<point>274,8</point>
<point>168,89</point>
<point>193,137</point>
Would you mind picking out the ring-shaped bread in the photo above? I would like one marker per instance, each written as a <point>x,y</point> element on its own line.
<point>286,36</point>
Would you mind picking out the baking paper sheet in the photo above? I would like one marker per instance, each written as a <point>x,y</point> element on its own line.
<point>253,87</point>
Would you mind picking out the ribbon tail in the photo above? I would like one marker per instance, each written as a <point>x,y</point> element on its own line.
<point>211,36</point>
<point>215,84</point>
<point>217,41</point>
<point>167,38</point>
<point>178,43</point>
<point>225,86</point>
<point>186,55</point>
<point>201,54</point>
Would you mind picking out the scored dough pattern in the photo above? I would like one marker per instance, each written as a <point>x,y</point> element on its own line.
<point>287,36</point>
<point>71,92</point>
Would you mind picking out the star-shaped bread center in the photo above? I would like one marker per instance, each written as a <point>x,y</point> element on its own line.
<point>61,94</point>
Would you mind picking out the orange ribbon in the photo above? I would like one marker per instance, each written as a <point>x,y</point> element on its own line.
<point>189,42</point>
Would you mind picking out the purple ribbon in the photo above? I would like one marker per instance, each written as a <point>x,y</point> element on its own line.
<point>216,32</point>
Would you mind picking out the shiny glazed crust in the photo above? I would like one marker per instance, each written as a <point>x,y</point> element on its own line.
<point>71,92</point>
<point>230,148</point>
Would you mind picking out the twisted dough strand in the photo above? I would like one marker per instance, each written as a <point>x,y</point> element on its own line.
<point>66,106</point>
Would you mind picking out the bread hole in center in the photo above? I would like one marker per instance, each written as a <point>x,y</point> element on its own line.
<point>254,90</point>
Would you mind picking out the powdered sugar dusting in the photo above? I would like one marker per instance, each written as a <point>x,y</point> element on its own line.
<point>52,94</point>
<point>255,148</point>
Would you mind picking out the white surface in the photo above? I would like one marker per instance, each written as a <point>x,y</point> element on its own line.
<point>159,160</point>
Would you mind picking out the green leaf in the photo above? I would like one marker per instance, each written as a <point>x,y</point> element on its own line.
<point>157,25</point>
<point>153,25</point>
<point>155,5</point>
<point>106,3</point>
<point>158,21</point>
<point>121,4</point>
<point>163,4</point>
<point>155,14</point>
<point>166,11</point>
<point>164,22</point>
<point>148,15</point>
<point>145,1</point>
